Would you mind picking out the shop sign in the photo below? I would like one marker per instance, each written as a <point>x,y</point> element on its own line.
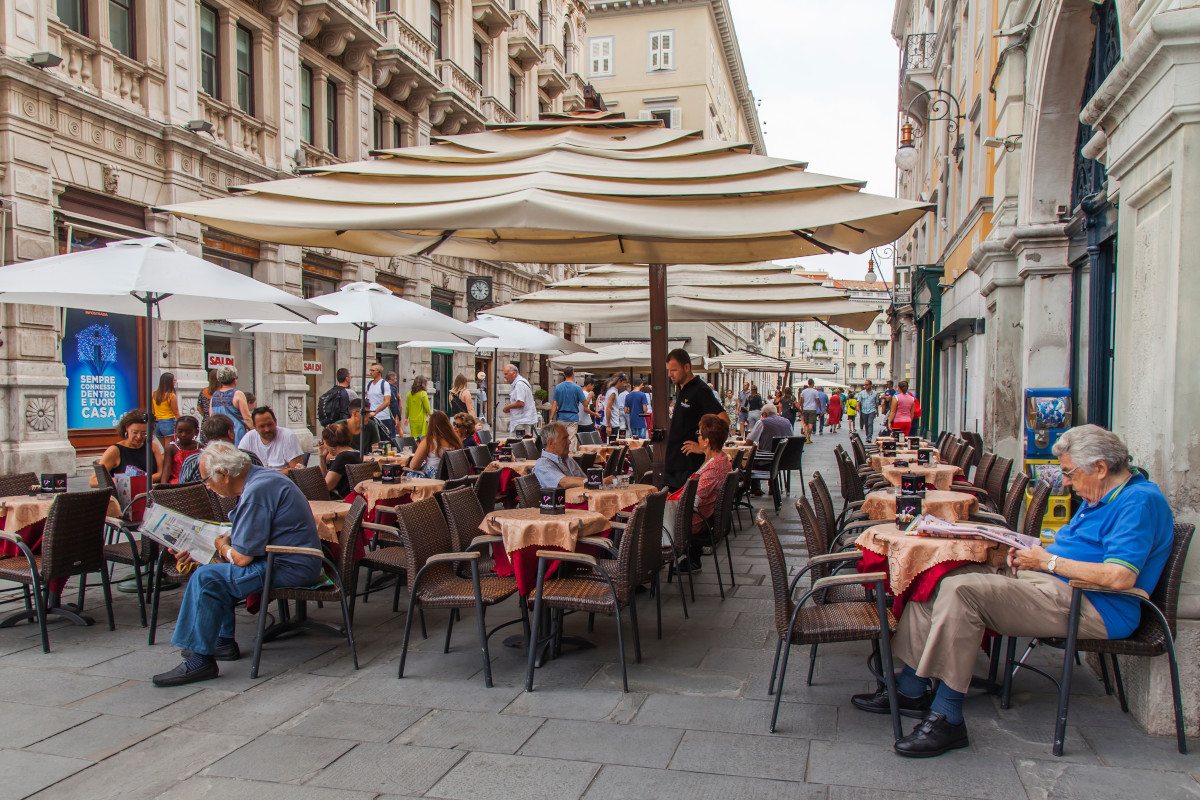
<point>218,360</point>
<point>100,354</point>
<point>313,368</point>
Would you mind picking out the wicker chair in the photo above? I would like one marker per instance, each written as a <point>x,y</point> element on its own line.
<point>19,483</point>
<point>1039,501</point>
<point>487,487</point>
<point>458,464</point>
<point>793,461</point>
<point>859,450</point>
<point>463,516</point>
<point>343,574</point>
<point>745,488</point>
<point>610,588</point>
<point>406,441</point>
<point>519,451</point>
<point>311,482</point>
<point>1154,636</point>
<point>529,491</point>
<point>221,506</point>
<point>589,437</point>
<point>720,526</point>
<point>768,469</point>
<point>833,527</point>
<point>357,473</point>
<point>585,460</point>
<point>978,484</point>
<point>480,456</point>
<point>823,623</point>
<point>432,582</point>
<point>72,544</point>
<point>1010,511</point>
<point>616,461</point>
<point>643,466</point>
<point>192,500</point>
<point>965,458</point>
<point>997,481</point>
<point>681,535</point>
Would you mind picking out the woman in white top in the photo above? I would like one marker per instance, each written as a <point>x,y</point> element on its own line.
<point>439,438</point>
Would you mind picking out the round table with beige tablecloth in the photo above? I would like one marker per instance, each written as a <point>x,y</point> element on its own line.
<point>940,476</point>
<point>376,491</point>
<point>523,467</point>
<point>329,515</point>
<point>524,527</point>
<point>878,462</point>
<point>950,506</point>
<point>21,511</point>
<point>732,450</point>
<point>909,557</point>
<point>609,501</point>
<point>402,459</point>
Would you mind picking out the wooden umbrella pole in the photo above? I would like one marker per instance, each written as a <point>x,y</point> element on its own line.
<point>658,367</point>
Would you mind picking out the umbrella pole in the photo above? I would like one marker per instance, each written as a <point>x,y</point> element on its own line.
<point>362,408</point>
<point>658,366</point>
<point>150,300</point>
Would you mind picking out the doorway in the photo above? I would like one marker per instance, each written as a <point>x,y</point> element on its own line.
<point>440,378</point>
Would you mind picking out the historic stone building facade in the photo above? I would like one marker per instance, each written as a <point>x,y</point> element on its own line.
<point>1059,143</point>
<point>111,109</point>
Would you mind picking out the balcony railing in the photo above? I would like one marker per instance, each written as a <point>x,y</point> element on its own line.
<point>919,52</point>
<point>402,35</point>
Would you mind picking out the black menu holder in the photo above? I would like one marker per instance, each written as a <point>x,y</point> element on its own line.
<point>923,456</point>
<point>908,508</point>
<point>887,448</point>
<point>54,482</point>
<point>914,442</point>
<point>504,454</point>
<point>388,472</point>
<point>595,478</point>
<point>911,483</point>
<point>553,501</point>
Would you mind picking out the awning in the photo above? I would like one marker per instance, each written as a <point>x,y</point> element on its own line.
<point>961,328</point>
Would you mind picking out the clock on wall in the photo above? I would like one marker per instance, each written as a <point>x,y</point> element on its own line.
<point>479,289</point>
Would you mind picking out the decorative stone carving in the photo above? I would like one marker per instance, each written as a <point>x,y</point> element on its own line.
<point>40,413</point>
<point>383,72</point>
<point>401,88</point>
<point>333,41</point>
<point>295,411</point>
<point>112,174</point>
<point>274,8</point>
<point>311,20</point>
<point>418,101</point>
<point>360,56</point>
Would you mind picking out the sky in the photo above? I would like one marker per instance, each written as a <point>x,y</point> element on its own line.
<point>826,74</point>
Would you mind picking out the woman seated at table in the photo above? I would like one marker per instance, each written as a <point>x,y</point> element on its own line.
<point>464,426</point>
<point>130,450</point>
<point>439,437</point>
<point>710,481</point>
<point>334,454</point>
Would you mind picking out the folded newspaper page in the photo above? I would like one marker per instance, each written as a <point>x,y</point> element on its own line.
<point>929,525</point>
<point>182,533</point>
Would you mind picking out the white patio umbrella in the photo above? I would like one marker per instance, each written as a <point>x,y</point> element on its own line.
<point>631,356</point>
<point>150,277</point>
<point>370,313</point>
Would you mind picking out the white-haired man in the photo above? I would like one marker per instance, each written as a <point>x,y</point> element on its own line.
<point>271,510</point>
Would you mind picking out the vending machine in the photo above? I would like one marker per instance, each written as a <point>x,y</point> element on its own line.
<point>1047,416</point>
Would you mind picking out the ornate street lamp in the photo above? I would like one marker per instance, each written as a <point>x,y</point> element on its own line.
<point>941,103</point>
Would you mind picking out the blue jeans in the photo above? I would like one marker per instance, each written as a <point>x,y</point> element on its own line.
<point>389,425</point>
<point>867,421</point>
<point>164,427</point>
<point>206,612</point>
<point>638,432</point>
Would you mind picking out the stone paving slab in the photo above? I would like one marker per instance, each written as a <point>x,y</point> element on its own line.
<point>490,776</point>
<point>98,738</point>
<point>388,769</point>
<point>626,783</point>
<point>465,730</point>
<point>604,743</point>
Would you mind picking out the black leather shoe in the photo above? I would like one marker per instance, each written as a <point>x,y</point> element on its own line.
<point>180,675</point>
<point>225,652</point>
<point>932,737</point>
<point>877,703</point>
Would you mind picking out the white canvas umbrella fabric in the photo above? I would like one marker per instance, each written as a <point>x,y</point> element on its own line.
<point>509,336</point>
<point>150,277</point>
<point>632,356</point>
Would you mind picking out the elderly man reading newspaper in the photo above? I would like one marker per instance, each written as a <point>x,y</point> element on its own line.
<point>271,510</point>
<point>1119,539</point>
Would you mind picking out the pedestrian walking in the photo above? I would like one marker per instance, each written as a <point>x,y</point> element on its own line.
<point>868,404</point>
<point>904,411</point>
<point>416,407</point>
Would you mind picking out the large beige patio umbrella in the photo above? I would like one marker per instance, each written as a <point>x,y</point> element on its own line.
<point>584,192</point>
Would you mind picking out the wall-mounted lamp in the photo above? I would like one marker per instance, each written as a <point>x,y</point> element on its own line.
<point>1009,143</point>
<point>199,126</point>
<point>45,60</point>
<point>941,104</point>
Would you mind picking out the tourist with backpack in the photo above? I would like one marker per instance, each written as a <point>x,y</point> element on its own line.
<point>379,397</point>
<point>231,403</point>
<point>334,405</point>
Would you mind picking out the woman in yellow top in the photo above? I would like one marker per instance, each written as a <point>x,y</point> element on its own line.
<point>416,408</point>
<point>166,408</point>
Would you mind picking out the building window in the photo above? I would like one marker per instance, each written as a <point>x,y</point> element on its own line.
<point>306,103</point>
<point>73,14</point>
<point>377,129</point>
<point>600,51</point>
<point>850,371</point>
<point>878,349</point>
<point>478,61</point>
<point>435,27</point>
<point>879,373</point>
<point>512,92</point>
<point>879,328</point>
<point>209,52</point>
<point>397,133</point>
<point>851,349</point>
<point>568,48</point>
<point>383,6</point>
<point>245,69</point>
<point>671,117</point>
<point>120,25</point>
<point>662,50</point>
<point>331,116</point>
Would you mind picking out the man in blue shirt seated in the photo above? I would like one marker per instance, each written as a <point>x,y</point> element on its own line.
<point>271,510</point>
<point>637,409</point>
<point>1119,539</point>
<point>556,468</point>
<point>568,397</point>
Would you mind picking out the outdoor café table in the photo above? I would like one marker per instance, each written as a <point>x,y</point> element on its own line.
<point>940,476</point>
<point>524,531</point>
<point>608,500</point>
<point>915,564</point>
<point>402,459</point>
<point>26,517</point>
<point>404,490</point>
<point>950,506</point>
<point>878,462</point>
<point>602,451</point>
<point>329,514</point>
<point>732,450</point>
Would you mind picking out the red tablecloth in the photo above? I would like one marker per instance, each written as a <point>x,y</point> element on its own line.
<point>32,536</point>
<point>921,587</point>
<point>523,563</point>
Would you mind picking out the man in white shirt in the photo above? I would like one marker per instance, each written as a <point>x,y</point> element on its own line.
<point>275,447</point>
<point>623,419</point>
<point>379,396</point>
<point>521,410</point>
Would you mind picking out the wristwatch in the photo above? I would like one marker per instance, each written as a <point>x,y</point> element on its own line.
<point>1051,564</point>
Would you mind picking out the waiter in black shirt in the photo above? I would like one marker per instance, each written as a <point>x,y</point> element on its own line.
<point>692,401</point>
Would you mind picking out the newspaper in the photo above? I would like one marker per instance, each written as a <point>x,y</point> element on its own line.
<point>929,525</point>
<point>182,533</point>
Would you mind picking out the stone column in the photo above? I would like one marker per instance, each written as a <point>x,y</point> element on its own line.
<point>1001,288</point>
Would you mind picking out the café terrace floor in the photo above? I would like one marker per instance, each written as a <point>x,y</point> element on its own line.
<point>85,722</point>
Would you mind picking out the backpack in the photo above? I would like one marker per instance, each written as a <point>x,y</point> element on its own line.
<point>393,402</point>
<point>331,405</point>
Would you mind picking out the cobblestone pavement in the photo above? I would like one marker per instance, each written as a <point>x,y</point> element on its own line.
<point>84,721</point>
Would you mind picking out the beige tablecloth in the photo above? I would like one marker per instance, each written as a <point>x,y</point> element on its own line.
<point>940,476</point>
<point>523,527</point>
<point>519,467</point>
<point>731,450</point>
<point>951,506</point>
<point>609,501</point>
<point>21,511</point>
<point>909,556</point>
<point>329,514</point>
<point>402,459</point>
<point>878,462</point>
<point>419,488</point>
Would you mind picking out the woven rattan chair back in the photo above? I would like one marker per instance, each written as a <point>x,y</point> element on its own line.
<point>639,460</point>
<point>585,460</point>
<point>793,453</point>
<point>459,463</point>
<point>966,457</point>
<point>357,473</point>
<point>858,449</point>
<point>463,515</point>
<point>723,512</point>
<point>1013,501</point>
<point>424,532</point>
<point>191,500</point>
<point>483,436</point>
<point>650,556</point>
<point>777,567</point>
<point>311,482</point>
<point>616,460</point>
<point>1166,592</point>
<point>997,480</point>
<point>534,447</point>
<point>406,441</point>
<point>19,483</point>
<point>589,437</point>
<point>823,507</point>
<point>480,456</point>
<point>529,491</point>
<point>221,506</point>
<point>681,529</point>
<point>520,450</point>
<point>352,529</point>
<point>627,574</point>
<point>1039,501</point>
<point>73,540</point>
<point>104,479</point>
<point>851,482</point>
<point>814,536</point>
<point>982,469</point>
<point>486,488</point>
<point>735,463</point>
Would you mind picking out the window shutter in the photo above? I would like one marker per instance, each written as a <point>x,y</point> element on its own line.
<point>654,42</point>
<point>676,117</point>
<point>666,51</point>
<point>645,114</point>
<point>600,54</point>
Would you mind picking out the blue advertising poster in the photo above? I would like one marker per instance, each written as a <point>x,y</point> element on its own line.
<point>100,353</point>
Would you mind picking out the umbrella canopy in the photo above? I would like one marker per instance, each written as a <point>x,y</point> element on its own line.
<point>509,336</point>
<point>760,292</point>
<point>119,278</point>
<point>631,356</point>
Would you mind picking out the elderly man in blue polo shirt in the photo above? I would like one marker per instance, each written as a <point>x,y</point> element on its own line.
<point>1120,538</point>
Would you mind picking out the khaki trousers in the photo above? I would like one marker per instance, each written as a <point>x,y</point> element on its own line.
<point>573,432</point>
<point>939,637</point>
